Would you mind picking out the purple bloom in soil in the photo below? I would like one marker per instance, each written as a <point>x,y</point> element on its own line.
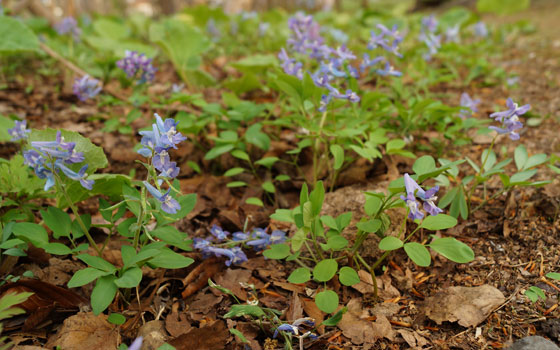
<point>169,134</point>
<point>177,88</point>
<point>260,239</point>
<point>429,24</point>
<point>367,62</point>
<point>136,344</point>
<point>19,131</point>
<point>413,190</point>
<point>295,327</point>
<point>510,119</point>
<point>343,53</point>
<point>433,42</point>
<point>86,87</point>
<point>480,29</point>
<point>321,79</point>
<point>134,63</point>
<point>234,255</point>
<point>68,25</point>
<point>240,236</point>
<point>201,244</point>
<point>277,237</point>
<point>168,203</point>
<point>470,104</point>
<point>218,232</point>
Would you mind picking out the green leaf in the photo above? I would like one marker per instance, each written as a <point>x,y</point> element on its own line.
<point>534,293</point>
<point>423,165</point>
<point>168,259</point>
<point>187,202</point>
<point>234,171</point>
<point>338,154</point>
<point>255,136</point>
<point>97,262</point>
<point>553,275</point>
<point>268,187</point>
<point>58,221</point>
<point>326,301</point>
<point>57,249</point>
<point>333,321</point>
<point>218,151</point>
<point>336,242</point>
<point>239,335</point>
<point>16,36</point>
<point>277,251</point>
<point>130,278</point>
<point>117,319</point>
<point>520,156</point>
<point>370,226</point>
<point>390,243</point>
<point>317,196</point>
<point>502,7</point>
<point>32,233</point>
<point>325,270</point>
<point>348,276</point>
<point>254,201</point>
<point>172,236</point>
<point>453,249</point>
<point>522,176</point>
<point>300,275</point>
<point>418,253</point>
<point>85,276</point>
<point>245,310</point>
<point>535,160</point>
<point>239,154</point>
<point>438,222</point>
<point>267,162</point>
<point>490,160</point>
<point>103,294</point>
<point>235,184</point>
<point>372,205</point>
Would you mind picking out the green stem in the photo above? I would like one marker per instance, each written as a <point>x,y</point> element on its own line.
<point>316,148</point>
<point>62,190</point>
<point>373,278</point>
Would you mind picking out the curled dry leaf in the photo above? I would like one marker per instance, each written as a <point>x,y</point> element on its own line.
<point>356,325</point>
<point>85,331</point>
<point>468,306</point>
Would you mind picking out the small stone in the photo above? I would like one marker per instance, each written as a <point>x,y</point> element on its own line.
<point>533,343</point>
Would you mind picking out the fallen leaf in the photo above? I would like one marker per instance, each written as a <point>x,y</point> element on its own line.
<point>153,333</point>
<point>313,311</point>
<point>176,323</point>
<point>295,310</point>
<point>467,305</point>
<point>85,331</point>
<point>412,338</point>
<point>210,337</point>
<point>359,329</point>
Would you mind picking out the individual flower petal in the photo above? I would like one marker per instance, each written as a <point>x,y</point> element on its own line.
<point>19,131</point>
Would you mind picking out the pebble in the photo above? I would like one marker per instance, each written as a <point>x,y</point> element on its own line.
<point>533,343</point>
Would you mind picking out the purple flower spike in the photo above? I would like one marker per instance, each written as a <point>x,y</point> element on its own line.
<point>19,131</point>
<point>136,344</point>
<point>134,63</point>
<point>86,87</point>
<point>510,119</point>
<point>68,25</point>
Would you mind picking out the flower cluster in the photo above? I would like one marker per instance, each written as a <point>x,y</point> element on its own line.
<point>413,191</point>
<point>134,63</point>
<point>296,327</point>
<point>221,245</point>
<point>68,25</point>
<point>470,104</point>
<point>510,119</point>
<point>86,87</point>
<point>428,36</point>
<point>334,63</point>
<point>48,157</point>
<point>156,145</point>
<point>19,131</point>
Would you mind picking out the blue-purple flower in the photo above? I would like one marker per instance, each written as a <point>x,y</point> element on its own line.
<point>413,191</point>
<point>388,70</point>
<point>263,28</point>
<point>68,25</point>
<point>19,131</point>
<point>452,34</point>
<point>429,24</point>
<point>134,64</point>
<point>136,344</point>
<point>510,119</point>
<point>219,233</point>
<point>86,87</point>
<point>290,65</point>
<point>480,29</point>
<point>213,30</point>
<point>383,39</point>
<point>469,104</point>
<point>168,203</point>
<point>296,327</point>
<point>50,157</point>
